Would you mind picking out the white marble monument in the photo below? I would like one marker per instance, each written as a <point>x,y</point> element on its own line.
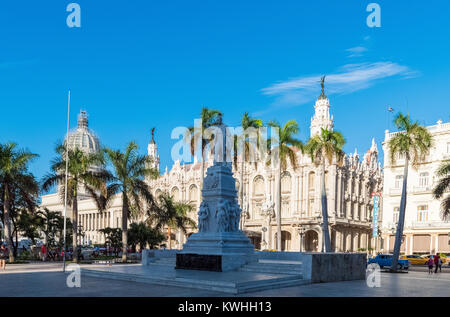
<point>218,245</point>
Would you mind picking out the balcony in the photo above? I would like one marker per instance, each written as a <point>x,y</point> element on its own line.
<point>422,190</point>
<point>430,224</point>
<point>395,191</point>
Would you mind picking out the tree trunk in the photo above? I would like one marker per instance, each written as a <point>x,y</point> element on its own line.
<point>325,229</point>
<point>278,203</point>
<point>169,233</point>
<point>401,218</point>
<point>241,188</point>
<point>7,224</point>
<point>75,228</point>
<point>124,229</point>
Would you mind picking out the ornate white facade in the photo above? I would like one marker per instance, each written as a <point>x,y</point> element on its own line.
<point>424,231</point>
<point>349,189</point>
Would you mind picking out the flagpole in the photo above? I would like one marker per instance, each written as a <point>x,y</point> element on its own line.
<point>65,188</point>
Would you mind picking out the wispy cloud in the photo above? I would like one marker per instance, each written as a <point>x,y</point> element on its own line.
<point>349,78</point>
<point>356,51</point>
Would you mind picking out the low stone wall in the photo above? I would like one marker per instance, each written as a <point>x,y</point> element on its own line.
<point>317,267</point>
<point>333,267</point>
<point>149,256</point>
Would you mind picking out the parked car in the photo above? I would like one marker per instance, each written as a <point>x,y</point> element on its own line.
<point>386,260</point>
<point>414,259</point>
<point>426,257</point>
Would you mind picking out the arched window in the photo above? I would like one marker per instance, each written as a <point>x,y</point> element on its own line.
<point>193,194</point>
<point>286,183</point>
<point>258,186</point>
<point>176,193</point>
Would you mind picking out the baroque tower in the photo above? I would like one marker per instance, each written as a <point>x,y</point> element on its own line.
<point>321,118</point>
<point>152,151</point>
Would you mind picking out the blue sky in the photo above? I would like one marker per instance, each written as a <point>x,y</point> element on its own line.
<point>138,64</point>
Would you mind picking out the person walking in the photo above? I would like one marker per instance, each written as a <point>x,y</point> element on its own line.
<point>440,265</point>
<point>43,252</point>
<point>430,265</point>
<point>3,257</point>
<point>436,262</point>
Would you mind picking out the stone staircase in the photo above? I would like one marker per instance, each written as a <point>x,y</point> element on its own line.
<point>274,267</point>
<point>257,276</point>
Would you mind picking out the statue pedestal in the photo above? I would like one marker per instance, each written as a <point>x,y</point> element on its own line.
<point>221,251</point>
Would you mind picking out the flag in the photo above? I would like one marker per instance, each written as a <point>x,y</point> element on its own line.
<point>390,109</point>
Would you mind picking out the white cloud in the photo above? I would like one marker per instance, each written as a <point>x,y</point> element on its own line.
<point>356,51</point>
<point>349,78</point>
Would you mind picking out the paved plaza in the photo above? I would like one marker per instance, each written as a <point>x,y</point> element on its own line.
<point>48,280</point>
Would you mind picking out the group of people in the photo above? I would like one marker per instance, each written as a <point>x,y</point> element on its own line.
<point>53,254</point>
<point>436,262</point>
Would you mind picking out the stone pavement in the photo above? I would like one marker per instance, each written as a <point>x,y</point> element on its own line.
<point>48,280</point>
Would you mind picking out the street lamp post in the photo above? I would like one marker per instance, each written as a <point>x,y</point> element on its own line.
<point>301,232</point>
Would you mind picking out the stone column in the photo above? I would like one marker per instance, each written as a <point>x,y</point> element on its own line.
<point>338,195</point>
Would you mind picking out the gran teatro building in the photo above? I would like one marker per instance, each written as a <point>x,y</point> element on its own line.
<point>349,188</point>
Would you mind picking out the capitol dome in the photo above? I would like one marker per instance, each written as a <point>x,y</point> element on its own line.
<point>82,137</point>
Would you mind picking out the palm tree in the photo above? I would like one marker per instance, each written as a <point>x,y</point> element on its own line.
<point>84,175</point>
<point>284,149</point>
<point>50,222</point>
<point>322,148</point>
<point>442,186</point>
<point>247,123</point>
<point>14,179</point>
<point>130,171</point>
<point>171,214</point>
<point>209,118</point>
<point>413,142</point>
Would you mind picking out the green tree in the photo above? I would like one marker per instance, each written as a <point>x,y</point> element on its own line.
<point>128,179</point>
<point>441,187</point>
<point>323,148</point>
<point>172,214</point>
<point>209,118</point>
<point>85,174</point>
<point>141,234</point>
<point>246,145</point>
<point>15,179</point>
<point>113,238</point>
<point>284,152</point>
<point>412,142</point>
<point>29,225</point>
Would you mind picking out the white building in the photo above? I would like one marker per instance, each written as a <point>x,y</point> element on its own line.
<point>349,189</point>
<point>424,231</point>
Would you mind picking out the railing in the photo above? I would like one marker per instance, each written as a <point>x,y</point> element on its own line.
<point>421,189</point>
<point>430,224</point>
<point>395,191</point>
<point>432,128</point>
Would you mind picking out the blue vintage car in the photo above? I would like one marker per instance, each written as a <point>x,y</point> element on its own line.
<point>386,260</point>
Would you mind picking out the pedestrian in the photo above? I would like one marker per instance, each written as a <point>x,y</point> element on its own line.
<point>430,265</point>
<point>436,262</point>
<point>440,264</point>
<point>43,252</point>
<point>3,257</point>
